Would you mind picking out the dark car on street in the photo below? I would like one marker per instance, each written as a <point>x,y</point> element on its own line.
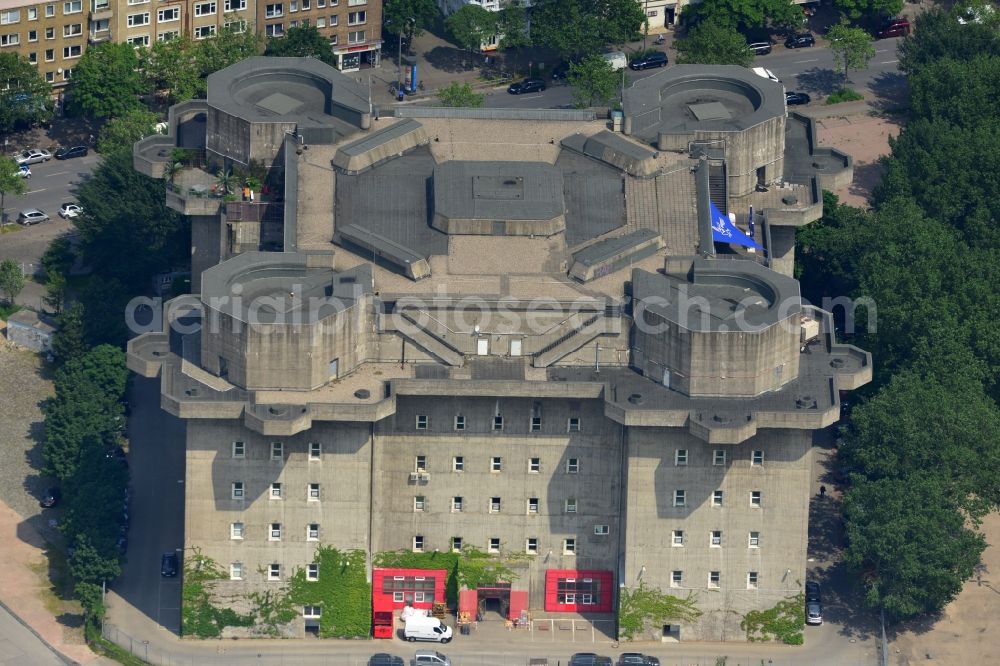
<point>800,41</point>
<point>51,498</point>
<point>760,48</point>
<point>385,659</point>
<point>793,98</point>
<point>560,71</point>
<point>637,659</point>
<point>71,152</point>
<point>589,659</point>
<point>649,61</point>
<point>526,86</point>
<point>813,591</point>
<point>169,564</point>
<point>896,27</point>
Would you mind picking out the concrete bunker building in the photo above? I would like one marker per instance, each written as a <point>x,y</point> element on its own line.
<point>513,333</point>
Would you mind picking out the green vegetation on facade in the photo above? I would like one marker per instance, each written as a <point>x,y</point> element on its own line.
<point>342,591</point>
<point>784,622</point>
<point>198,616</point>
<point>471,568</point>
<point>642,607</point>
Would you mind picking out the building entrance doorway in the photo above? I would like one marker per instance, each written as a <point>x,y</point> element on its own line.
<point>494,603</point>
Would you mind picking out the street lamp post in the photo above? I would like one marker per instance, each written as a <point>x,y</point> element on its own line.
<point>399,54</point>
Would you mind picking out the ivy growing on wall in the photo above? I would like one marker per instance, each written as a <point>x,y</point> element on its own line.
<point>342,591</point>
<point>785,622</point>
<point>198,616</point>
<point>642,606</point>
<point>472,567</point>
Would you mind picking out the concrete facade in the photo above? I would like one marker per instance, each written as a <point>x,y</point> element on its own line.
<point>498,403</point>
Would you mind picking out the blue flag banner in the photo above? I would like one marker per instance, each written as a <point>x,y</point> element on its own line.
<point>724,231</point>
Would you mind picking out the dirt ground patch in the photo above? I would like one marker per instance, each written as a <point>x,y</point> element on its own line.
<point>866,138</point>
<point>967,632</point>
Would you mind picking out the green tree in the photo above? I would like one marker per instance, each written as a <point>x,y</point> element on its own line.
<point>122,132</point>
<point>512,26</point>
<point>576,28</point>
<point>408,18</point>
<point>11,279</point>
<point>105,301</point>
<point>856,9</point>
<point>746,13</point>
<point>301,41</point>
<point>107,82</point>
<point>24,94</point>
<point>594,80</point>
<point>69,342</point>
<point>713,43</point>
<point>88,564</point>
<point>10,183</point>
<point>229,46</point>
<point>172,66</point>
<point>938,35</point>
<point>471,26</point>
<point>852,48</point>
<point>644,606</point>
<point>460,94</point>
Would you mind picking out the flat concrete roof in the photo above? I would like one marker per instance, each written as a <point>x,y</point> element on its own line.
<point>498,191</point>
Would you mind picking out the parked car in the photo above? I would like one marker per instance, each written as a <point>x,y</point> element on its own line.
<point>32,156</point>
<point>560,71</point>
<point>896,27</point>
<point>169,565</point>
<point>793,98</point>
<point>589,659</point>
<point>385,659</point>
<point>649,61</point>
<point>51,498</point>
<point>637,659</point>
<point>800,41</point>
<point>30,216</point>
<point>24,171</point>
<point>68,210</point>
<point>814,612</point>
<point>429,658</point>
<point>71,152</point>
<point>760,48</point>
<point>813,591</point>
<point>526,86</point>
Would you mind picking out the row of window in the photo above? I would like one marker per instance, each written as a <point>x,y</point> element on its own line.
<point>353,37</point>
<point>714,579</point>
<point>677,539</point>
<point>69,52</point>
<point>74,51</point>
<point>719,457</point>
<point>680,498</point>
<point>10,16</point>
<point>238,491</point>
<point>276,10</point>
<point>277,451</point>
<point>423,422</point>
<point>495,504</point>
<point>69,30</point>
<point>494,545</point>
<point>274,570</point>
<point>572,465</point>
<point>238,531</point>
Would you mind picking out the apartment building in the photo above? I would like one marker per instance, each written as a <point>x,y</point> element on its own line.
<point>530,338</point>
<point>354,27</point>
<point>51,35</point>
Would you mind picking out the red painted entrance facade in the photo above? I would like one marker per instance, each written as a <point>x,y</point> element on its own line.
<point>396,588</point>
<point>578,591</point>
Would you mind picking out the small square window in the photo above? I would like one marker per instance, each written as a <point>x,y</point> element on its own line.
<point>237,490</point>
<point>421,463</point>
<point>534,465</point>
<point>418,544</point>
<point>312,612</point>
<point>680,457</point>
<point>312,532</point>
<point>680,498</point>
<point>532,505</point>
<point>717,498</point>
<point>755,498</point>
<point>713,578</point>
<point>312,572</point>
<point>50,33</point>
<point>459,420</point>
<point>494,505</point>
<point>458,464</point>
<point>496,464</point>
<point>536,424</point>
<point>236,571</point>
<point>239,450</point>
<point>50,11</point>
<point>601,530</point>
<point>531,546</point>
<point>32,35</point>
<point>570,506</point>
<point>715,539</point>
<point>422,422</point>
<point>313,492</point>
<point>494,545</point>
<point>274,533</point>
<point>498,422</point>
<point>236,530</point>
<point>676,578</point>
<point>719,457</point>
<point>50,77</point>
<point>573,425</point>
<point>757,458</point>
<point>456,504</point>
<point>418,503</point>
<point>751,580</point>
<point>275,491</point>
<point>572,465</point>
<point>677,538</point>
<point>569,546</point>
<point>315,450</point>
<point>754,540</point>
<point>50,55</point>
<point>277,451</point>
<point>456,544</point>
<point>274,571</point>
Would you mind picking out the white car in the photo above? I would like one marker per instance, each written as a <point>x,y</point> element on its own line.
<point>32,156</point>
<point>68,210</point>
<point>24,171</point>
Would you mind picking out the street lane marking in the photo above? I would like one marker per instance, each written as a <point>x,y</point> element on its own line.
<point>57,173</point>
<point>34,191</point>
<point>888,62</point>
<point>801,61</point>
<point>881,50</point>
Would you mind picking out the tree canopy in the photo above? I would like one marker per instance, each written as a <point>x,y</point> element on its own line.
<point>408,18</point>
<point>594,81</point>
<point>512,26</point>
<point>11,182</point>
<point>856,9</point>
<point>107,81</point>
<point>24,94</point>
<point>301,41</point>
<point>122,132</point>
<point>576,28</point>
<point>852,48</point>
<point>713,43</point>
<point>471,26</point>
<point>11,279</point>
<point>460,94</point>
<point>746,13</point>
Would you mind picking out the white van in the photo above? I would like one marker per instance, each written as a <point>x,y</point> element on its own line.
<point>419,628</point>
<point>617,59</point>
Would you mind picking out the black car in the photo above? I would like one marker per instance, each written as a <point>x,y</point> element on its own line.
<point>650,60</point>
<point>637,659</point>
<point>813,591</point>
<point>51,498</point>
<point>169,565</point>
<point>385,659</point>
<point>792,98</point>
<point>800,41</point>
<point>526,86</point>
<point>71,152</point>
<point>560,71</point>
<point>589,659</point>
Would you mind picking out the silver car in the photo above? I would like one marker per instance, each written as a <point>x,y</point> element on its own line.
<point>32,156</point>
<point>429,658</point>
<point>814,612</point>
<point>31,216</point>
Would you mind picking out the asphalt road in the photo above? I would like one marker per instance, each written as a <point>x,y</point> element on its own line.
<point>18,645</point>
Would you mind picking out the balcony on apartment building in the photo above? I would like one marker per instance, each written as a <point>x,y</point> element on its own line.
<point>101,11</point>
